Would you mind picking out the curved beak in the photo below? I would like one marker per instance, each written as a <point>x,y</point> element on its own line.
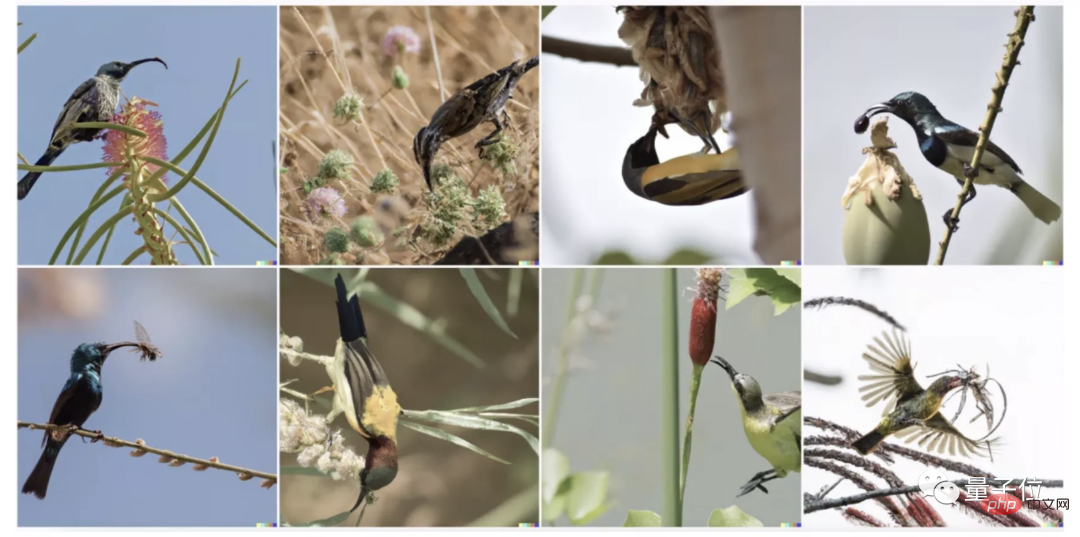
<point>132,65</point>
<point>879,108</point>
<point>727,367</point>
<point>364,493</point>
<point>640,156</point>
<point>107,349</point>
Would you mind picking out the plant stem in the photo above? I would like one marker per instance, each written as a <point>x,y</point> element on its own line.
<point>669,432</point>
<point>1024,16</point>
<point>551,417</point>
<point>695,384</point>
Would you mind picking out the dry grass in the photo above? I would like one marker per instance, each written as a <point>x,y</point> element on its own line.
<point>326,52</point>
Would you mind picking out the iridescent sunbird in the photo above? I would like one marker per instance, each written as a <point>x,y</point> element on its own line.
<point>80,397</point>
<point>363,393</point>
<point>773,425</point>
<point>911,412</point>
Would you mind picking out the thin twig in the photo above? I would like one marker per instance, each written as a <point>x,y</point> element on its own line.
<point>617,56</point>
<point>828,380</point>
<point>435,54</point>
<point>1024,16</point>
<point>173,459</point>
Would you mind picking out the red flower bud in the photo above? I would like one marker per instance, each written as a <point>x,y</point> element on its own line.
<point>703,316</point>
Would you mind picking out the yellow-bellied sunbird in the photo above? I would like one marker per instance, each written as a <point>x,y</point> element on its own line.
<point>364,395</point>
<point>693,179</point>
<point>773,425</point>
<point>911,412</point>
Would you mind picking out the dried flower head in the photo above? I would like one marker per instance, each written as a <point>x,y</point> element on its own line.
<point>307,434</point>
<point>336,240</point>
<point>135,115</point>
<point>335,165</point>
<point>399,40</point>
<point>325,201</point>
<point>501,155</point>
<point>348,107</point>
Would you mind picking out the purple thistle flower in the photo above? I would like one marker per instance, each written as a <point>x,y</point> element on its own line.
<point>325,201</point>
<point>399,40</point>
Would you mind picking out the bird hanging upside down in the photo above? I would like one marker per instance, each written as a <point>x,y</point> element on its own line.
<point>911,412</point>
<point>483,100</point>
<point>93,101</point>
<point>363,393</point>
<point>679,66</point>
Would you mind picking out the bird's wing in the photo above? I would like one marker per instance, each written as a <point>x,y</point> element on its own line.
<point>786,403</point>
<point>960,136</point>
<point>894,381</point>
<point>75,105</point>
<point>61,400</point>
<point>937,434</point>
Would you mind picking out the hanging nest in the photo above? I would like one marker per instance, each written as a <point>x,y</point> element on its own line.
<point>679,64</point>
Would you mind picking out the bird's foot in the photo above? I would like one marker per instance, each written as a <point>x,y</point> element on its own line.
<point>757,481</point>
<point>98,436</point>
<point>969,172</point>
<point>952,223</point>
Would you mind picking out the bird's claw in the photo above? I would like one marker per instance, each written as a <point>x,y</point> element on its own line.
<point>952,223</point>
<point>969,172</point>
<point>757,482</point>
<point>98,436</point>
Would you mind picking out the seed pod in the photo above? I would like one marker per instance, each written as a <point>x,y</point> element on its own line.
<point>703,316</point>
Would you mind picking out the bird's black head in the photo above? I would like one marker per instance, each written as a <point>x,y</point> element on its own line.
<point>119,70</point>
<point>906,106</point>
<point>380,467</point>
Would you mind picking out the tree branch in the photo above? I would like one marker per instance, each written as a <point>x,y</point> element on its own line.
<point>617,56</point>
<point>168,457</point>
<point>1024,16</point>
<point>881,493</point>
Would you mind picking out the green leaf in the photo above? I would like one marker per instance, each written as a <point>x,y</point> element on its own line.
<point>544,12</point>
<point>793,274</point>
<point>783,291</point>
<point>687,257</point>
<point>732,517</point>
<point>641,519</point>
<point>34,36</point>
<point>471,422</point>
<point>615,258</point>
<point>556,467</point>
<point>482,297</point>
<point>443,435</point>
<point>586,497</point>
<point>301,470</point>
<point>739,289</point>
<point>505,406</point>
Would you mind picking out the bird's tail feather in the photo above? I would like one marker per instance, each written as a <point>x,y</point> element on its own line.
<point>28,180</point>
<point>38,482</point>
<point>350,319</point>
<point>1041,206</point>
<point>868,443</point>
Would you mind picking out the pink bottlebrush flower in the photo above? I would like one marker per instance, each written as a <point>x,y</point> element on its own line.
<point>135,115</point>
<point>399,40</point>
<point>325,201</point>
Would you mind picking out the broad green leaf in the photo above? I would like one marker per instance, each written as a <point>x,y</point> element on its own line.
<point>556,467</point>
<point>732,517</point>
<point>615,258</point>
<point>586,497</point>
<point>793,274</point>
<point>764,281</point>
<point>641,519</point>
<point>443,435</point>
<point>687,258</point>
<point>482,297</point>
<point>739,289</point>
<point>301,470</point>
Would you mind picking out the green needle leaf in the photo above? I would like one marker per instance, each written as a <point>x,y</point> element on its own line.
<point>443,435</point>
<point>505,406</point>
<point>482,297</point>
<point>471,422</point>
<point>27,42</point>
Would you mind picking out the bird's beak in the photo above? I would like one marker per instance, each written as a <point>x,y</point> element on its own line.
<point>727,367</point>
<point>132,65</point>
<point>364,492</point>
<point>107,349</point>
<point>863,122</point>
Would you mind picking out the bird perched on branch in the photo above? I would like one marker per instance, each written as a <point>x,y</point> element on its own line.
<point>911,412</point>
<point>679,64</point>
<point>772,423</point>
<point>363,393</point>
<point>483,100</point>
<point>80,397</point>
<point>951,147</point>
<point>94,101</point>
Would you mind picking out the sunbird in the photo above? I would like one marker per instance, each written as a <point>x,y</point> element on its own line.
<point>363,393</point>
<point>80,397</point>
<point>911,412</point>
<point>772,423</point>
<point>93,101</point>
<point>950,147</point>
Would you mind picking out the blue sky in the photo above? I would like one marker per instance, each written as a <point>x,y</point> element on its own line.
<point>200,45</point>
<point>212,394</point>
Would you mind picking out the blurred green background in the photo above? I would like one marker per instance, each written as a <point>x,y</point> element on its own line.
<point>610,419</point>
<point>438,484</point>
